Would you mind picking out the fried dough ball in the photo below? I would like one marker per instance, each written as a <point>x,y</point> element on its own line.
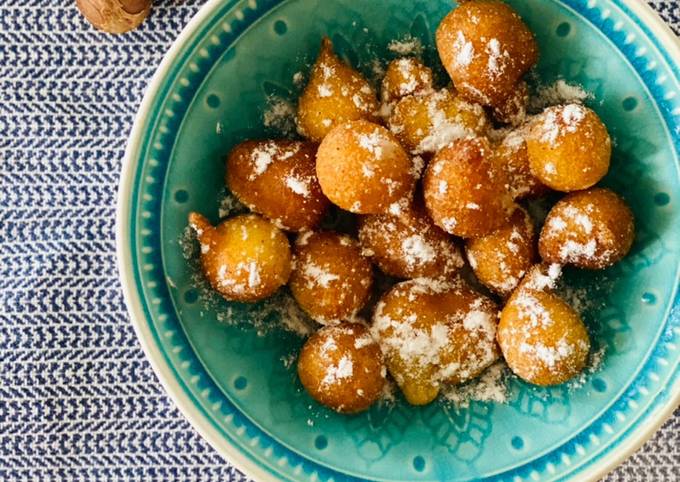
<point>590,229</point>
<point>500,259</point>
<point>485,47</point>
<point>341,367</point>
<point>277,179</point>
<point>409,245</point>
<point>245,258</point>
<point>335,94</point>
<point>512,157</point>
<point>569,148</point>
<point>544,341</point>
<point>331,279</point>
<point>433,332</point>
<point>513,110</point>
<point>465,192</point>
<point>405,76</point>
<point>363,169</point>
<point>426,123</point>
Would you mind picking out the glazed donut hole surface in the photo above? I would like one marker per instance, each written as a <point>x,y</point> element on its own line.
<point>569,148</point>
<point>409,245</point>
<point>363,169</point>
<point>335,94</point>
<point>245,258</point>
<point>341,367</point>
<point>331,279</point>
<point>485,47</point>
<point>465,192</point>
<point>590,229</point>
<point>433,332</point>
<point>277,179</point>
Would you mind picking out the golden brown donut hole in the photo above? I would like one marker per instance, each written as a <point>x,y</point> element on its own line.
<point>245,258</point>
<point>341,367</point>
<point>409,245</point>
<point>590,229</point>
<point>464,191</point>
<point>363,169</point>
<point>277,178</point>
<point>331,279</point>
<point>433,332</point>
<point>335,94</point>
<point>485,47</point>
<point>500,259</point>
<point>544,341</point>
<point>569,148</point>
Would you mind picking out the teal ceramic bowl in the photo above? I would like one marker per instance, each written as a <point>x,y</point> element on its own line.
<point>230,382</point>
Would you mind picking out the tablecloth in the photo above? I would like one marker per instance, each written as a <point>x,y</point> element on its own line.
<point>78,401</point>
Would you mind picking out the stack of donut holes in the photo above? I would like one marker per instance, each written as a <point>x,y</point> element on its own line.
<point>437,193</point>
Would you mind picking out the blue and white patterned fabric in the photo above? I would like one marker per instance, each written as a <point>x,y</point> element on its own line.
<point>78,401</point>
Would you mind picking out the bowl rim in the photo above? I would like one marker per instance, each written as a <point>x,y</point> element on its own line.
<point>232,453</point>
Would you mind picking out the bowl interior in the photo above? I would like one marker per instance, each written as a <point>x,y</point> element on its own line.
<point>625,306</point>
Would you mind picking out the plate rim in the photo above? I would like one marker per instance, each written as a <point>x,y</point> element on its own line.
<point>233,453</point>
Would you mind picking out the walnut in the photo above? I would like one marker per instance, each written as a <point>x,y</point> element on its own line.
<point>114,16</point>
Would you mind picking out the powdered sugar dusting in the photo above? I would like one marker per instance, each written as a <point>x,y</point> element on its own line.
<point>367,170</point>
<point>266,153</point>
<point>579,217</point>
<point>410,82</point>
<point>444,129</point>
<point>417,250</point>
<point>560,92</point>
<point>344,369</point>
<point>465,50</point>
<point>540,278</point>
<point>491,386</point>
<point>417,167</point>
<point>558,121</point>
<point>363,341</point>
<point>479,320</point>
<point>573,250</point>
<point>449,224</point>
<point>324,91</point>
<point>374,143</point>
<point>419,346</point>
<point>280,115</point>
<point>254,279</point>
<point>549,355</point>
<point>298,79</point>
<point>318,276</point>
<point>297,185</point>
<point>407,46</point>
<point>495,63</point>
<point>514,139</point>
